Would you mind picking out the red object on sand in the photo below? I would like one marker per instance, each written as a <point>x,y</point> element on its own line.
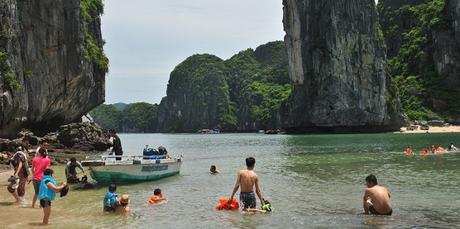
<point>225,205</point>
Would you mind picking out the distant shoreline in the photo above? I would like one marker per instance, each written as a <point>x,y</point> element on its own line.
<point>433,129</point>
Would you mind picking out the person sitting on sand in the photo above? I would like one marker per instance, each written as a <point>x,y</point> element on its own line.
<point>157,197</point>
<point>71,170</point>
<point>110,199</point>
<point>48,190</point>
<point>247,179</point>
<point>409,151</point>
<point>376,198</point>
<point>122,206</point>
<point>424,153</point>
<point>213,170</point>
<point>452,147</point>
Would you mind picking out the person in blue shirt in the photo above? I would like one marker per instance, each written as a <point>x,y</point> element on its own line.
<point>111,199</point>
<point>48,189</point>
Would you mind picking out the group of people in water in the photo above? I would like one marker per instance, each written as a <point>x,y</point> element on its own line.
<point>119,204</point>
<point>376,198</point>
<point>409,151</point>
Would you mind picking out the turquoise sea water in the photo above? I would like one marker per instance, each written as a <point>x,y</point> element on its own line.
<point>312,181</point>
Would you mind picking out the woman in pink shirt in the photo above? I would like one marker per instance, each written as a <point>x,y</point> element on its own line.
<point>39,164</point>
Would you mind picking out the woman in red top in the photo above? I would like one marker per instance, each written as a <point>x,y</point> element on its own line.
<point>39,165</point>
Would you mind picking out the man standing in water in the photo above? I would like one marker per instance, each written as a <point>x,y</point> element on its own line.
<point>248,179</point>
<point>376,198</point>
<point>116,144</point>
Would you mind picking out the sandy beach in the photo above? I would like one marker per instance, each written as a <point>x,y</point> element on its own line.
<point>22,215</point>
<point>433,129</point>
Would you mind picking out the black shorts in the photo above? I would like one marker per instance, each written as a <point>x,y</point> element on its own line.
<point>44,203</point>
<point>248,199</point>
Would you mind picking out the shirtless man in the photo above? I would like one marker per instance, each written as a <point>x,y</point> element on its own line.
<point>376,198</point>
<point>247,179</point>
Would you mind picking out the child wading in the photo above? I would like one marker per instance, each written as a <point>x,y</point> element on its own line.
<point>47,193</point>
<point>110,199</point>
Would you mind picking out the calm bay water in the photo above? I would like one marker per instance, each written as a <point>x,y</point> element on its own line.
<point>314,181</point>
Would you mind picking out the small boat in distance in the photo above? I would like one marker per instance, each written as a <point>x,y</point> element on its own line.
<point>132,168</point>
<point>209,131</point>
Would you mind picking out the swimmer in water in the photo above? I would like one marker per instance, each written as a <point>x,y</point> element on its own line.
<point>213,170</point>
<point>157,197</point>
<point>409,151</point>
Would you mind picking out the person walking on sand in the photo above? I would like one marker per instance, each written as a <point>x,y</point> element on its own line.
<point>376,198</point>
<point>17,186</point>
<point>39,164</point>
<point>246,180</point>
<point>116,149</point>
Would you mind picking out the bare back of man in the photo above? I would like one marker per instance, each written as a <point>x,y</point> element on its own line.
<point>377,200</point>
<point>248,179</point>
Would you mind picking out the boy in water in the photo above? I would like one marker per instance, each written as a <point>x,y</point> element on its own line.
<point>47,193</point>
<point>376,198</point>
<point>247,179</point>
<point>213,170</point>
<point>157,197</point>
<point>122,206</point>
<point>110,199</point>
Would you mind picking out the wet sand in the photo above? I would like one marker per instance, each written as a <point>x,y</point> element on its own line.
<point>23,215</point>
<point>433,129</point>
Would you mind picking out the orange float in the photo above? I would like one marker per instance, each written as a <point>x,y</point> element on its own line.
<point>224,204</point>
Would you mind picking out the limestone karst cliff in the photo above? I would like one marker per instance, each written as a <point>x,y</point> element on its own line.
<point>337,68</point>
<point>242,93</point>
<point>52,64</point>
<point>423,40</point>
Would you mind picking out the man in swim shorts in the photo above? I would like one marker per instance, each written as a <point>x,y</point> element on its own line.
<point>247,179</point>
<point>376,198</point>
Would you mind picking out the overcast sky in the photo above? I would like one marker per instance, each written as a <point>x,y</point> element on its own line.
<point>146,39</point>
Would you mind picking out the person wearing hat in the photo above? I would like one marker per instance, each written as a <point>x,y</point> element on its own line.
<point>122,206</point>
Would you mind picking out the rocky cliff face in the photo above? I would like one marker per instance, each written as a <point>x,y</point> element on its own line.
<point>242,93</point>
<point>337,68</point>
<point>197,97</point>
<point>424,55</point>
<point>52,64</point>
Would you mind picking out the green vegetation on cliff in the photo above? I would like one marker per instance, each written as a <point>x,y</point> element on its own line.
<point>135,117</point>
<point>93,51</point>
<point>7,75</point>
<point>197,97</point>
<point>243,93</point>
<point>259,82</point>
<point>409,31</point>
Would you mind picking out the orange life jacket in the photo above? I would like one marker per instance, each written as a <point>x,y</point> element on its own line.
<point>154,199</point>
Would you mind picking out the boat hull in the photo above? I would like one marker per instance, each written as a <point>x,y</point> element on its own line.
<point>125,173</point>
